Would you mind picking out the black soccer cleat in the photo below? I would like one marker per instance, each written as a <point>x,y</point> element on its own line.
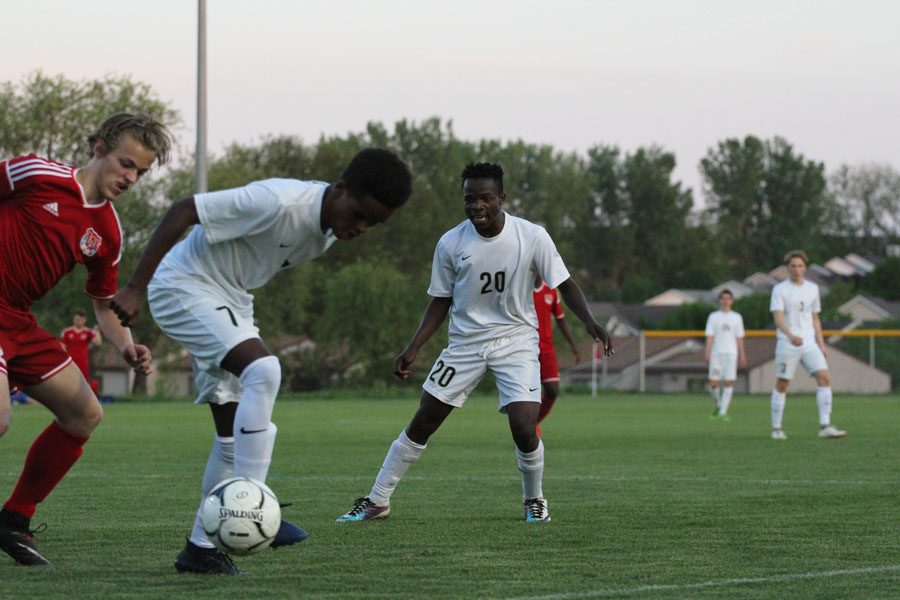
<point>209,561</point>
<point>17,540</point>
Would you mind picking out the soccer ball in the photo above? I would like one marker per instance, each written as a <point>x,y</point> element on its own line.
<point>241,516</point>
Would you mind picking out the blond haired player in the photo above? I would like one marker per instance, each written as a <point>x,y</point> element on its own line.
<point>795,307</point>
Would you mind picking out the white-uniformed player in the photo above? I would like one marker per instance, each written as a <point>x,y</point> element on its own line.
<point>795,307</point>
<point>483,275</point>
<point>199,297</point>
<point>724,352</point>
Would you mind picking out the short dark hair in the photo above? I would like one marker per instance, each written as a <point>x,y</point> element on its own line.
<point>151,134</point>
<point>79,312</point>
<point>484,171</point>
<point>381,174</point>
<point>726,291</point>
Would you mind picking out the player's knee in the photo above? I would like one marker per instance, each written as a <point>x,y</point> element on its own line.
<point>264,375</point>
<point>823,379</point>
<point>84,419</point>
<point>781,385</point>
<point>526,440</point>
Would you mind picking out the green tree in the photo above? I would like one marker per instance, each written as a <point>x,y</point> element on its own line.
<point>638,222</point>
<point>755,311</point>
<point>868,197</point>
<point>365,320</point>
<point>884,281</point>
<point>52,116</point>
<point>687,316</point>
<point>765,199</point>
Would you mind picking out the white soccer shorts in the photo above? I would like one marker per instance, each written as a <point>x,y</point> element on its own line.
<point>722,367</point>
<point>513,361</point>
<point>787,356</point>
<point>208,324</point>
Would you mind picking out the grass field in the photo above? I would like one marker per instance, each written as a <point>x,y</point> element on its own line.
<point>649,500</point>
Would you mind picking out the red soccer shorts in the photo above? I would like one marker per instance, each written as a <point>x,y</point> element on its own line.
<point>31,354</point>
<point>549,366</point>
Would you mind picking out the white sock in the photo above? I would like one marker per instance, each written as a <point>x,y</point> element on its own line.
<point>254,433</point>
<point>219,467</point>
<point>778,401</point>
<point>714,392</point>
<point>823,399</point>
<point>725,402</point>
<point>531,465</point>
<point>403,452</point>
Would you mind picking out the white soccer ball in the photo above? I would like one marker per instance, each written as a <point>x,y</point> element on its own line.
<point>241,516</point>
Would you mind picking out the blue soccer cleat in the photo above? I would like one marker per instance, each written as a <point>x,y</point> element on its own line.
<point>288,535</point>
<point>536,510</point>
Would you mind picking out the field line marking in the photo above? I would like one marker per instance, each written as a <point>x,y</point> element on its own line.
<point>675,587</point>
<point>601,478</point>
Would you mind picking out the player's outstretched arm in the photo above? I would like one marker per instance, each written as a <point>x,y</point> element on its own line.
<point>136,355</point>
<point>577,303</point>
<point>127,301</point>
<point>434,316</point>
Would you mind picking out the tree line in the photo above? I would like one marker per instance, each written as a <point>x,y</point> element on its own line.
<point>626,229</point>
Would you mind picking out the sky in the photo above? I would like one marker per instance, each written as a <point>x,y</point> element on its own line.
<point>681,74</point>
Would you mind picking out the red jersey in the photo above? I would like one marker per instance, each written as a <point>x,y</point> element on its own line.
<point>77,342</point>
<point>547,306</point>
<point>47,226</point>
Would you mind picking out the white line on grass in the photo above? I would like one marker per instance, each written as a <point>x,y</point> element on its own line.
<point>601,478</point>
<point>676,587</point>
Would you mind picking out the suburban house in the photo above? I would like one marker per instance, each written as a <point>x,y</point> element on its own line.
<point>677,365</point>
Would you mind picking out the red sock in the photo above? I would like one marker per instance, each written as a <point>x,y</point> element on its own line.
<point>51,456</point>
<point>546,405</point>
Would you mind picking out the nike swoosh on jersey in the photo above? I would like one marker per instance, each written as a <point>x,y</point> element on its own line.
<point>467,257</point>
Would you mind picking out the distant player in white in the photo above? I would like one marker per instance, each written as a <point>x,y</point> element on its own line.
<point>795,307</point>
<point>198,296</point>
<point>483,275</point>
<point>724,352</point>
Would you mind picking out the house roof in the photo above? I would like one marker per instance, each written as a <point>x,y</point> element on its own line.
<point>685,297</point>
<point>860,262</point>
<point>760,282</point>
<point>632,315</point>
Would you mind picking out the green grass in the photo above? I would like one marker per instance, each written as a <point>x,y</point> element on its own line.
<point>649,499</point>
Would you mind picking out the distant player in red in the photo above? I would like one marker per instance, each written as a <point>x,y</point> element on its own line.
<point>77,341</point>
<point>546,305</point>
<point>52,217</point>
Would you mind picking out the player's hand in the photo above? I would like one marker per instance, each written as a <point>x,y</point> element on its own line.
<point>601,337</point>
<point>796,340</point>
<point>139,357</point>
<point>127,305</point>
<point>402,363</point>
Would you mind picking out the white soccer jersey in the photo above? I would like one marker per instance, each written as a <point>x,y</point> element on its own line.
<point>491,280</point>
<point>247,235</point>
<point>798,302</point>
<point>724,328</point>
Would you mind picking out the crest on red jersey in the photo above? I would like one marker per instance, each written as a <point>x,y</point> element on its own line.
<point>90,242</point>
<point>548,298</point>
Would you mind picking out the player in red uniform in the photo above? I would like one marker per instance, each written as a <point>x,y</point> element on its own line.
<point>77,341</point>
<point>52,217</point>
<point>546,305</point>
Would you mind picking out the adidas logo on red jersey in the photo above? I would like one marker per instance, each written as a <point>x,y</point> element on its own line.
<point>52,208</point>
